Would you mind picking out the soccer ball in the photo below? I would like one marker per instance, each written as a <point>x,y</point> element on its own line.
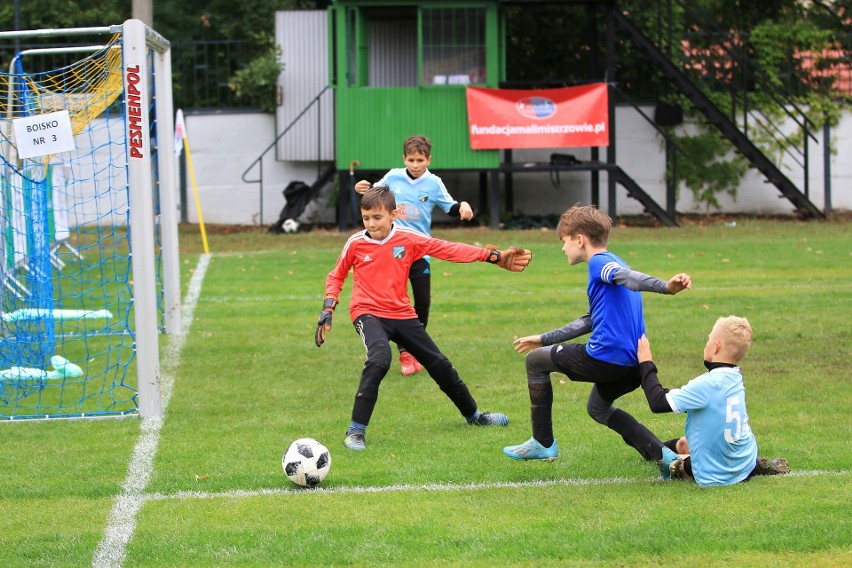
<point>290,226</point>
<point>306,462</point>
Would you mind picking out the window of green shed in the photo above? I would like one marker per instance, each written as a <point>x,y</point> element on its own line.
<point>453,46</point>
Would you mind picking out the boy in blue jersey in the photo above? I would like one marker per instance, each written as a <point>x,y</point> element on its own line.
<point>418,191</point>
<point>608,361</point>
<point>721,446</point>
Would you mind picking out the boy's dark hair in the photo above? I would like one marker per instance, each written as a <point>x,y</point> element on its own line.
<point>417,144</point>
<point>378,196</point>
<point>586,219</point>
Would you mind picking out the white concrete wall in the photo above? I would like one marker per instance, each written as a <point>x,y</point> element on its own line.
<point>224,145</point>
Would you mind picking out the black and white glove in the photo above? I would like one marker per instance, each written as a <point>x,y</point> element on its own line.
<point>324,323</point>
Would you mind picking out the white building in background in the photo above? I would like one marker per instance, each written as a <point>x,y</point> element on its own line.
<point>224,145</point>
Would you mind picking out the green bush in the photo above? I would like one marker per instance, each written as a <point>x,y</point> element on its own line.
<point>256,83</point>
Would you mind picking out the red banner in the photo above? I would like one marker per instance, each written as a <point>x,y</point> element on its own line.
<point>542,118</point>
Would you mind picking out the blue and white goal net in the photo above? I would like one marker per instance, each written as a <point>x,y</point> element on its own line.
<point>75,310</point>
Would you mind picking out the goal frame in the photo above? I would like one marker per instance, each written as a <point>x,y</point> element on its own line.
<point>137,39</point>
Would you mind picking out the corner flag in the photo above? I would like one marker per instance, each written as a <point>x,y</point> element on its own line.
<point>180,133</point>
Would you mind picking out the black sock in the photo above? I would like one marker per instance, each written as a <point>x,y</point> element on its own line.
<point>541,409</point>
<point>636,435</point>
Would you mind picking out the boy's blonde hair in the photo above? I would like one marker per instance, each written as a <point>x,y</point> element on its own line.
<point>378,196</point>
<point>417,144</point>
<point>735,333</point>
<point>588,220</point>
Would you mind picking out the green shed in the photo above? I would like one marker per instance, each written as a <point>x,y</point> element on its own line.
<point>396,68</point>
<point>400,67</point>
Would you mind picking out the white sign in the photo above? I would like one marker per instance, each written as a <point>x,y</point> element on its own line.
<point>43,134</point>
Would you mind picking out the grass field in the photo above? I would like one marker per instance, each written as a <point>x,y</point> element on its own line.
<point>204,486</point>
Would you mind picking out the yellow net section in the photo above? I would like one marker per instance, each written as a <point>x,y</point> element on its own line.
<point>85,88</point>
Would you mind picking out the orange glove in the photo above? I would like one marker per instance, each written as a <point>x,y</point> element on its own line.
<point>513,259</point>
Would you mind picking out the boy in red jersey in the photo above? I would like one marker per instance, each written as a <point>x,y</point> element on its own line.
<point>418,193</point>
<point>381,310</point>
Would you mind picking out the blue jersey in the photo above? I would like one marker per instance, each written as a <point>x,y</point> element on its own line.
<point>721,445</point>
<point>415,198</point>
<point>616,313</point>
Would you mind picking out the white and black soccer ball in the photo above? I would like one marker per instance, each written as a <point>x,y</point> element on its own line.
<point>290,226</point>
<point>306,462</point>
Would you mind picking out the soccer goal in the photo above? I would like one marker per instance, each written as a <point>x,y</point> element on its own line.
<point>88,222</point>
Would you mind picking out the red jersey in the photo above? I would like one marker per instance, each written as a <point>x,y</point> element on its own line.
<point>380,269</point>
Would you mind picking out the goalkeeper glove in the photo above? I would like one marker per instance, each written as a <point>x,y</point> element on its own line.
<point>324,323</point>
<point>513,259</point>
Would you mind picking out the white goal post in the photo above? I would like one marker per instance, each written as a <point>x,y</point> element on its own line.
<point>138,39</point>
<point>140,156</point>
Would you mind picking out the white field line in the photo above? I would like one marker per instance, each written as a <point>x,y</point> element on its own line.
<point>438,487</point>
<point>112,549</point>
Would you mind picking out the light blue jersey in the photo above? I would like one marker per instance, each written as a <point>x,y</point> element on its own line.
<point>416,198</point>
<point>616,312</point>
<point>721,445</point>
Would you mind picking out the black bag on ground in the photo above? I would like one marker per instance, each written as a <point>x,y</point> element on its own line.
<point>297,194</point>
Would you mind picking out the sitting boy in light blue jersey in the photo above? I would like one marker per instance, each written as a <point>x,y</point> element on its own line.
<point>721,446</point>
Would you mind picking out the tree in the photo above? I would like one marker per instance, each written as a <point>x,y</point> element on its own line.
<point>220,19</point>
<point>184,20</point>
<point>48,14</point>
<point>551,44</point>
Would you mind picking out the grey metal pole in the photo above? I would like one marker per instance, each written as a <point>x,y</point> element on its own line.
<point>826,156</point>
<point>610,79</point>
<point>143,10</point>
<point>17,24</point>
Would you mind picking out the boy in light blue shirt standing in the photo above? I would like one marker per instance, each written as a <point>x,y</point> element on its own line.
<point>418,191</point>
<point>721,447</point>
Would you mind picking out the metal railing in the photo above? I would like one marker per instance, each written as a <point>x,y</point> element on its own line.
<point>725,65</point>
<point>707,102</point>
<point>201,71</point>
<point>258,162</point>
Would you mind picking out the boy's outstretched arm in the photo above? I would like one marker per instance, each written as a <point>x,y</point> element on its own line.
<point>641,282</point>
<point>578,327</point>
<point>654,391</point>
<point>465,211</point>
<point>461,210</point>
<point>513,259</point>
<point>678,283</point>
<point>528,343</point>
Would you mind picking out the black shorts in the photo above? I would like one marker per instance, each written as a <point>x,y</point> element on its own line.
<point>419,269</point>
<point>612,380</point>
